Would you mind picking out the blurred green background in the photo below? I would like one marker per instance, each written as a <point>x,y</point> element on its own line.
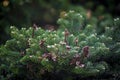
<point>44,13</point>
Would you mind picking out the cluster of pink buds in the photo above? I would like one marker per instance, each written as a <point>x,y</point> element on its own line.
<point>76,61</point>
<point>41,43</point>
<point>43,46</point>
<point>66,32</point>
<point>49,56</point>
<point>76,41</point>
<point>68,47</point>
<point>34,28</point>
<point>85,51</point>
<point>66,35</point>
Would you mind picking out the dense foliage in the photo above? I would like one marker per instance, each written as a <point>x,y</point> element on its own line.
<point>23,13</point>
<point>79,49</point>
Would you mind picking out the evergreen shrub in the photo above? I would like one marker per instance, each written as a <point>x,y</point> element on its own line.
<point>75,50</point>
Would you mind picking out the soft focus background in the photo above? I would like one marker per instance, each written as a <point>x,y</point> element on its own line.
<point>44,13</point>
